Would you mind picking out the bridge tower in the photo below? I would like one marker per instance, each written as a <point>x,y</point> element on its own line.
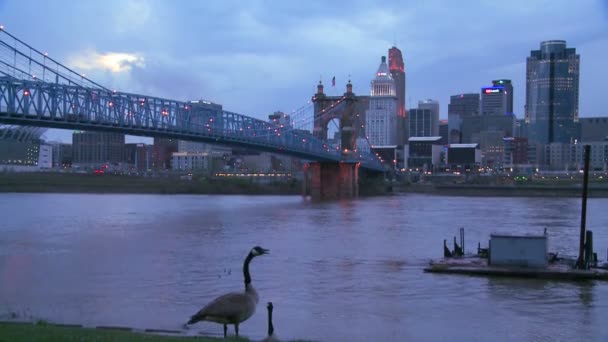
<point>335,180</point>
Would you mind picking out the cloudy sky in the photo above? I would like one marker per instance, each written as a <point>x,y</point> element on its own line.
<point>256,57</point>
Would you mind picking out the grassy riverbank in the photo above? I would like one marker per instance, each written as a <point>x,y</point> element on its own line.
<point>46,332</point>
<point>107,183</point>
<point>27,332</point>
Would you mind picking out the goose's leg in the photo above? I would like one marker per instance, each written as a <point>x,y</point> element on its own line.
<point>225,330</point>
<point>236,329</point>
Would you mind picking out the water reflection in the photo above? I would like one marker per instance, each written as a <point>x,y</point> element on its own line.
<point>343,271</point>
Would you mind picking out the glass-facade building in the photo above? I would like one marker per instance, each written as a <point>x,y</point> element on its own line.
<point>421,123</point>
<point>552,86</point>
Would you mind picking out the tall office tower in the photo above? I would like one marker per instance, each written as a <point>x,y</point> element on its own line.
<point>460,107</point>
<point>421,123</point>
<point>552,77</point>
<point>433,106</point>
<point>444,132</point>
<point>381,117</point>
<point>497,99</point>
<point>508,86</point>
<point>464,105</point>
<point>397,68</point>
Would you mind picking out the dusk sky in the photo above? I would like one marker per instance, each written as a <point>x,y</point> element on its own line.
<point>256,57</point>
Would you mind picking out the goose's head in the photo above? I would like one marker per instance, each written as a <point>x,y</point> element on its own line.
<point>269,306</point>
<point>257,251</point>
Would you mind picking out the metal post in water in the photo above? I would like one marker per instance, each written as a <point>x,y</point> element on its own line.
<point>580,263</point>
<point>588,248</point>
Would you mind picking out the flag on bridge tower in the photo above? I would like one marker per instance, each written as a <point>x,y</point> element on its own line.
<point>333,81</point>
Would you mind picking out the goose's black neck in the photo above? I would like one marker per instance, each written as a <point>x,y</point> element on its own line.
<point>246,269</point>
<point>270,326</point>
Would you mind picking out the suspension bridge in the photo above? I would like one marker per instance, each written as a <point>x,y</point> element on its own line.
<point>37,90</point>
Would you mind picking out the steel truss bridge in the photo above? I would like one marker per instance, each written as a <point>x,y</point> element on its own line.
<point>36,90</point>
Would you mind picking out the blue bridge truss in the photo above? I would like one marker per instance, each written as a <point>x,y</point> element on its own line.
<point>36,90</point>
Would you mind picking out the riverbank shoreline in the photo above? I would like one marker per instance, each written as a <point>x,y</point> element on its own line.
<point>45,331</point>
<point>48,182</point>
<point>16,331</point>
<point>501,191</point>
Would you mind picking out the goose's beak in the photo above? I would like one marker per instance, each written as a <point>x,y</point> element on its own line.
<point>265,251</point>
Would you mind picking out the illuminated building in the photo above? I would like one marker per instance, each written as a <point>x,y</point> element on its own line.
<point>381,117</point>
<point>62,155</point>
<point>20,147</point>
<point>397,69</point>
<point>423,153</point>
<point>552,85</point>
<point>497,99</point>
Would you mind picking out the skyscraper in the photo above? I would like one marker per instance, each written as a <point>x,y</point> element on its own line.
<point>509,92</point>
<point>552,76</point>
<point>433,106</point>
<point>464,105</point>
<point>460,107</point>
<point>381,117</point>
<point>397,68</point>
<point>421,123</point>
<point>497,99</point>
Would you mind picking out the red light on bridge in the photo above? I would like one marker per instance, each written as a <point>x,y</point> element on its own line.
<point>164,112</point>
<point>111,104</point>
<point>26,93</point>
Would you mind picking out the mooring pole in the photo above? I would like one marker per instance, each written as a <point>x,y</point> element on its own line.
<point>580,263</point>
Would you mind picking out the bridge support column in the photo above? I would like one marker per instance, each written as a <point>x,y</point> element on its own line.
<point>334,180</point>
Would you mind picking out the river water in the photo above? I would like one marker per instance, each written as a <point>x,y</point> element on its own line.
<point>344,271</point>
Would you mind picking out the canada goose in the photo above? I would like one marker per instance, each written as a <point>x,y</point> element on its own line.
<point>235,307</point>
<point>271,336</point>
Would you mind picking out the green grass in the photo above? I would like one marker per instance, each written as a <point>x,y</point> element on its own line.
<point>46,332</point>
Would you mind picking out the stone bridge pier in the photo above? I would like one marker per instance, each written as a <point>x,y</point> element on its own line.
<point>331,180</point>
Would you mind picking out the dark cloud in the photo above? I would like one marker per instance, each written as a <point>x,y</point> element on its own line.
<point>256,57</point>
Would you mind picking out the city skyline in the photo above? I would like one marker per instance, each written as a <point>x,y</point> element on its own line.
<point>146,49</point>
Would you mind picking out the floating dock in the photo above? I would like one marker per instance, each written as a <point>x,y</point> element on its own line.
<point>479,267</point>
